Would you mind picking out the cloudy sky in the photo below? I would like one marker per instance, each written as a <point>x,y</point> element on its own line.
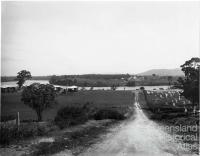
<point>97,37</point>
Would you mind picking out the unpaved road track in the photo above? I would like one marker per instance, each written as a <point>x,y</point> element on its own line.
<point>138,137</point>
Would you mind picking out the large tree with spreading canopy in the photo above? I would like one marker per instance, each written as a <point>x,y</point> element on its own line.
<point>39,97</point>
<point>22,76</point>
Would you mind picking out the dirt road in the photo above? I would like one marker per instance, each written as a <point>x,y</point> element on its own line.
<point>138,137</point>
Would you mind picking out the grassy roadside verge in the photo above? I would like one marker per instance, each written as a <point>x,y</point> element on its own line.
<point>75,139</point>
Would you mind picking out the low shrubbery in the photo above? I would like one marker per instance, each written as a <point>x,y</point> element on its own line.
<point>188,121</point>
<point>8,118</point>
<point>167,116</point>
<point>76,141</point>
<point>48,148</point>
<point>10,132</point>
<point>7,134</point>
<point>108,114</point>
<point>184,120</point>
<point>69,116</point>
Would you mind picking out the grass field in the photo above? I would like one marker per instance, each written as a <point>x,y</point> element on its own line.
<point>120,100</point>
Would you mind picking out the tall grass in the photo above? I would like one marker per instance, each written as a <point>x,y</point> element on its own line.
<point>10,133</point>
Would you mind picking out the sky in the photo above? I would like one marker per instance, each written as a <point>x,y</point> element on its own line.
<point>59,38</point>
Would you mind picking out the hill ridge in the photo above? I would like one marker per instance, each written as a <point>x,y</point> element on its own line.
<point>163,72</point>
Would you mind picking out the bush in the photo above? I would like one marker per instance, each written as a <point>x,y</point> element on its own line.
<point>7,118</point>
<point>28,130</point>
<point>10,132</point>
<point>108,114</point>
<point>187,121</point>
<point>7,134</point>
<point>69,116</point>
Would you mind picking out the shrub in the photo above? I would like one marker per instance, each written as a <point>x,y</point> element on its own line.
<point>187,121</point>
<point>49,148</point>
<point>108,114</point>
<point>10,132</point>
<point>7,134</point>
<point>7,118</point>
<point>26,131</point>
<point>69,116</point>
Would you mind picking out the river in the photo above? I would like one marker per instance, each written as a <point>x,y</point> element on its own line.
<point>29,82</point>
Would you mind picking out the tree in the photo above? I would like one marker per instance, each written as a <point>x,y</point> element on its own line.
<point>142,88</point>
<point>22,76</point>
<point>39,97</point>
<point>113,87</point>
<point>190,83</point>
<point>75,81</point>
<point>53,79</point>
<point>131,83</point>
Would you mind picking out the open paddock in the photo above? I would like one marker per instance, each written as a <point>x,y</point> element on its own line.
<point>120,100</point>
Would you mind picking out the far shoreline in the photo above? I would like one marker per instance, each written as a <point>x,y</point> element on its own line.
<point>28,82</point>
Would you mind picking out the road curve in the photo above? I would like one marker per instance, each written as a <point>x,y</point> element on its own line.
<point>138,137</point>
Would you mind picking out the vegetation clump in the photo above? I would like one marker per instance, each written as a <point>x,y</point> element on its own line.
<point>10,133</point>
<point>108,114</point>
<point>22,76</point>
<point>69,116</point>
<point>39,97</point>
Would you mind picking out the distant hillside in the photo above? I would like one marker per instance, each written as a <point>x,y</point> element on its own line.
<point>163,72</point>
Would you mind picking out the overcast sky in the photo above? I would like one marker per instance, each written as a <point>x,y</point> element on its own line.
<point>97,37</point>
